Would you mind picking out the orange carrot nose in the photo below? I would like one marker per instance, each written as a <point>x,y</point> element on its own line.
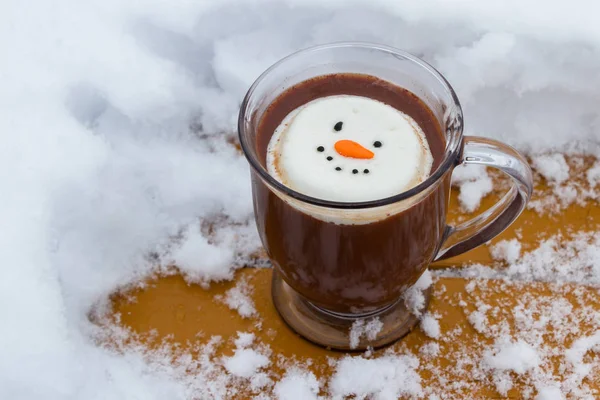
<point>348,148</point>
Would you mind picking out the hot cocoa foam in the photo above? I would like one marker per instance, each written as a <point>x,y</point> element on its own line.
<point>349,148</point>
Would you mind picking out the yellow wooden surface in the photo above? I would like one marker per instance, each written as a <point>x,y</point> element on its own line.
<point>170,309</point>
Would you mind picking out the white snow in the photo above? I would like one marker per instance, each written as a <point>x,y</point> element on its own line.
<point>429,350</point>
<point>474,184</point>
<point>201,261</point>
<point>364,328</point>
<point>553,167</point>
<point>478,320</point>
<point>430,326</point>
<point>387,377</point>
<point>506,250</point>
<point>593,174</point>
<point>115,119</point>
<point>556,259</point>
<point>518,357</point>
<point>297,385</point>
<point>575,356</point>
<point>549,393</point>
<point>581,346</point>
<point>239,298</point>
<point>507,356</point>
<point>244,340</point>
<point>414,298</point>
<point>246,362</point>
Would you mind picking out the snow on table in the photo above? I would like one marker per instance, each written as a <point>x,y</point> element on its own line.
<point>117,120</point>
<point>521,321</point>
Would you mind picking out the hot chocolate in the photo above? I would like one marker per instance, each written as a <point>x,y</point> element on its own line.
<point>350,138</point>
<point>352,148</point>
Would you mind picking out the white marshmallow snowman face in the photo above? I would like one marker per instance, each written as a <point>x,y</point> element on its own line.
<point>349,148</point>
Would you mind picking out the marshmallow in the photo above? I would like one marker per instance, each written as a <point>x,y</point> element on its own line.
<point>349,149</point>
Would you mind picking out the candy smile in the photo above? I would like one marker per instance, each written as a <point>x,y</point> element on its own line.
<point>338,168</point>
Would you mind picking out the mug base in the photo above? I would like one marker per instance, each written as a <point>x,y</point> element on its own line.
<point>333,331</point>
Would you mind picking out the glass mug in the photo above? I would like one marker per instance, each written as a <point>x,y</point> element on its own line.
<point>339,264</point>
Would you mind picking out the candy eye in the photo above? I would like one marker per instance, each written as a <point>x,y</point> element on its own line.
<point>377,143</point>
<point>338,127</point>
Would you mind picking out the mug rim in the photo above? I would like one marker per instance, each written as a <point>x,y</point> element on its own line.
<point>451,153</point>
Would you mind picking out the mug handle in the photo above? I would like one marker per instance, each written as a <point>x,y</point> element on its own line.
<point>487,225</point>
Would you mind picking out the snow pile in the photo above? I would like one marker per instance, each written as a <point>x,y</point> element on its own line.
<point>506,250</point>
<point>555,260</point>
<point>117,121</point>
<point>518,357</point>
<point>553,167</point>
<point>244,340</point>
<point>563,181</point>
<point>246,362</point>
<point>593,175</point>
<point>364,328</point>
<point>387,377</point>
<point>575,355</point>
<point>529,335</point>
<point>239,298</point>
<point>429,350</point>
<point>297,385</point>
<point>549,393</point>
<point>200,260</point>
<point>430,325</point>
<point>474,184</point>
<point>414,298</point>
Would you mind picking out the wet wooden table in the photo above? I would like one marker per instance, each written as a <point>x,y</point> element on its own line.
<point>170,309</point>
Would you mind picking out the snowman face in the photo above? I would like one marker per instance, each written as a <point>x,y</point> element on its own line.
<point>349,148</point>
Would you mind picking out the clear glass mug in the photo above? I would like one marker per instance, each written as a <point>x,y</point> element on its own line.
<point>317,288</point>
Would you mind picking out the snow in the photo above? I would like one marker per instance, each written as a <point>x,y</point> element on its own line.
<point>429,350</point>
<point>239,298</point>
<point>474,184</point>
<point>244,340</point>
<point>297,385</point>
<point>430,326</point>
<point>549,393</point>
<point>526,335</point>
<point>575,355</point>
<point>518,357</point>
<point>115,120</point>
<point>581,346</point>
<point>387,377</point>
<point>576,260</point>
<point>593,175</point>
<point>478,320</point>
<point>553,167</point>
<point>506,250</point>
<point>414,298</point>
<point>246,362</point>
<point>364,328</point>
<point>201,261</point>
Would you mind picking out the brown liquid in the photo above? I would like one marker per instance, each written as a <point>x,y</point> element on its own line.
<point>351,268</point>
